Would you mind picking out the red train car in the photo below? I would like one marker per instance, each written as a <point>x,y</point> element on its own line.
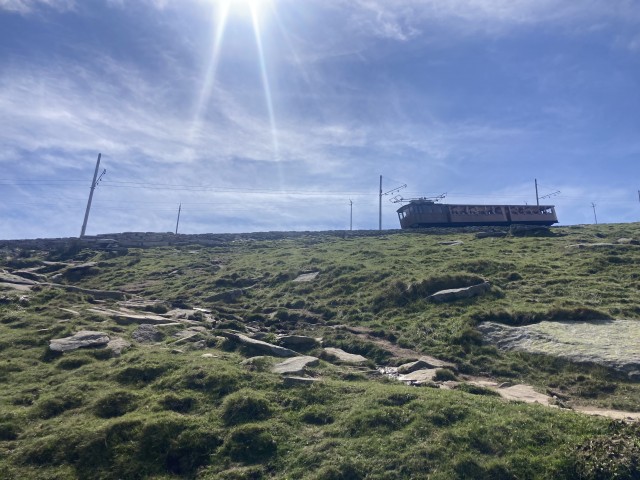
<point>426,213</point>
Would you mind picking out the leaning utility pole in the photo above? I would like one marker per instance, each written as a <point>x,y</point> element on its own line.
<point>178,221</point>
<point>380,206</point>
<point>537,199</point>
<point>93,187</point>
<point>594,212</point>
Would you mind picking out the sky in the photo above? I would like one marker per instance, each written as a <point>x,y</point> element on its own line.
<point>265,115</point>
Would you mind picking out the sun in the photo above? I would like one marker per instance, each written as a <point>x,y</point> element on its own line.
<point>242,7</point>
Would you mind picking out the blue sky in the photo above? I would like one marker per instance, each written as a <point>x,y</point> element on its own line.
<point>273,114</point>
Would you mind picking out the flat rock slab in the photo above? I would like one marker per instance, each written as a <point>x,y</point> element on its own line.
<point>82,339</point>
<point>524,393</point>
<point>612,343</point>
<point>453,294</point>
<point>306,277</point>
<point>127,318</point>
<point>260,346</point>
<point>423,363</point>
<point>419,376</point>
<point>16,286</point>
<point>344,357</point>
<point>295,365</point>
<point>6,277</point>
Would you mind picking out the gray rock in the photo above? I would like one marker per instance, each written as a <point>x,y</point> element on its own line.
<point>297,341</point>
<point>127,318</point>
<point>419,376</point>
<point>6,277</point>
<point>299,381</point>
<point>306,277</point>
<point>622,241</point>
<point>118,345</point>
<point>82,339</point>
<point>295,365</point>
<point>147,333</point>
<point>422,363</point>
<point>260,346</point>
<point>634,376</point>
<point>453,294</point>
<point>342,356</point>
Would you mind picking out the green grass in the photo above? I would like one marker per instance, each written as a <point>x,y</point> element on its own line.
<point>151,413</point>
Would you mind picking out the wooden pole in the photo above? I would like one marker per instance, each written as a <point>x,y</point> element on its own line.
<point>93,187</point>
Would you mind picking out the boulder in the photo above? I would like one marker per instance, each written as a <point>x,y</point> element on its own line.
<point>260,346</point>
<point>147,333</point>
<point>419,376</point>
<point>453,294</point>
<point>295,365</point>
<point>491,234</point>
<point>342,356</point>
<point>82,339</point>
<point>423,363</point>
<point>621,241</point>
<point>298,341</point>
<point>118,345</point>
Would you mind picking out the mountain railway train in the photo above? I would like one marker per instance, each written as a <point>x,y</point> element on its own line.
<point>421,213</point>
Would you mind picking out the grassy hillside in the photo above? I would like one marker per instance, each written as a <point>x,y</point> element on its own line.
<point>181,406</point>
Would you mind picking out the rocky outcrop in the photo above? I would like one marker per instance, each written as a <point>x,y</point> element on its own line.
<point>118,345</point>
<point>423,363</point>
<point>453,294</point>
<point>259,345</point>
<point>611,343</point>
<point>126,318</point>
<point>341,356</point>
<point>306,277</point>
<point>147,333</point>
<point>295,365</point>
<point>82,339</point>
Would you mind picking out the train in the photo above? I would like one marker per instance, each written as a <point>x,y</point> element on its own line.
<point>423,212</point>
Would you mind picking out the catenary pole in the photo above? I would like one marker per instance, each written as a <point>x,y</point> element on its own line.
<point>537,198</point>
<point>93,187</point>
<point>178,221</point>
<point>380,206</point>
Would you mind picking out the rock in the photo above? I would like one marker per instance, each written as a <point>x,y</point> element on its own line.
<point>118,345</point>
<point>260,346</point>
<point>254,361</point>
<point>599,245</point>
<point>634,375</point>
<point>176,351</point>
<point>623,241</point>
<point>82,339</point>
<point>295,365</point>
<point>423,363</point>
<point>147,333</point>
<point>297,381</point>
<point>210,355</point>
<point>6,277</point>
<point>419,376</point>
<point>126,318</point>
<point>306,277</point>
<point>453,294</point>
<point>298,341</point>
<point>342,356</point>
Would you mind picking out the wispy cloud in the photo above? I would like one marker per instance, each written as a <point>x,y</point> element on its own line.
<point>29,6</point>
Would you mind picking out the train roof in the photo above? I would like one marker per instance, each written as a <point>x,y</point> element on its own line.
<point>431,202</point>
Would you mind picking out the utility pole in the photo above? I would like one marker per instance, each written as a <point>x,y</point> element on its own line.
<point>351,214</point>
<point>380,206</point>
<point>537,199</point>
<point>594,212</point>
<point>178,221</point>
<point>93,187</point>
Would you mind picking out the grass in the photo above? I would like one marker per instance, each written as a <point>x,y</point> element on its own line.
<point>151,413</point>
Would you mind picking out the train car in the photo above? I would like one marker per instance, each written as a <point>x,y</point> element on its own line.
<point>423,213</point>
